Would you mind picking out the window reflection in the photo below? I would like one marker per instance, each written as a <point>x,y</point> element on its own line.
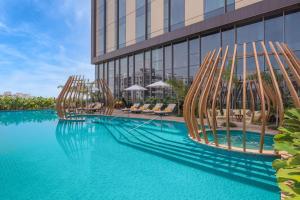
<point>180,62</point>
<point>177,14</point>
<point>147,73</point>
<point>111,77</point>
<point>123,76</point>
<point>117,78</point>
<point>292,30</point>
<point>168,62</point>
<point>209,43</point>
<point>122,23</point>
<point>274,29</point>
<point>140,20</point>
<point>194,56</point>
<point>157,69</point>
<point>139,72</point>
<point>101,27</point>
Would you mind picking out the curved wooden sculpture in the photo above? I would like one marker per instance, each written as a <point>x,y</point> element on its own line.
<point>216,89</point>
<point>79,96</point>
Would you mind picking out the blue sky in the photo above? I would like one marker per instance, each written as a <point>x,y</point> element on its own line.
<point>42,42</point>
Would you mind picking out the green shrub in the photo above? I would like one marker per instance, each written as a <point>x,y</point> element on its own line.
<point>288,167</point>
<point>19,103</point>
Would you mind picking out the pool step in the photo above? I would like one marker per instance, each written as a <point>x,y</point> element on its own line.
<point>257,172</point>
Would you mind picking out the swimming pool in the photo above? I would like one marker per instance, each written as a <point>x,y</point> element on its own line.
<point>41,158</point>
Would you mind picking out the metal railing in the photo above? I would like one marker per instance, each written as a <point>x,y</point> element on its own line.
<point>140,125</point>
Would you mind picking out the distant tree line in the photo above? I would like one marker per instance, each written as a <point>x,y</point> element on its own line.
<point>21,103</point>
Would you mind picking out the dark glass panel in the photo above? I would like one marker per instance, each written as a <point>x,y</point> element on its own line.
<point>177,14</point>
<point>228,39</point>
<point>180,61</point>
<point>101,27</point>
<point>147,73</point>
<point>168,62</point>
<point>140,20</point>
<point>194,55</point>
<point>139,69</point>
<point>209,43</point>
<point>111,76</point>
<point>123,75</point>
<point>166,15</point>
<point>292,30</point>
<point>213,8</point>
<point>274,29</point>
<point>122,23</point>
<point>117,78</point>
<point>157,65</point>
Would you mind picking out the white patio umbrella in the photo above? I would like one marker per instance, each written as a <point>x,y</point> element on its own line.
<point>135,88</point>
<point>159,84</point>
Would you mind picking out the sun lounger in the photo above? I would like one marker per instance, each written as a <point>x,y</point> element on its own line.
<point>136,105</point>
<point>157,107</point>
<point>141,109</point>
<point>168,110</point>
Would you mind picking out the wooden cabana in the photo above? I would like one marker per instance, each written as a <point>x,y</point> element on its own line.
<point>80,97</point>
<point>226,82</point>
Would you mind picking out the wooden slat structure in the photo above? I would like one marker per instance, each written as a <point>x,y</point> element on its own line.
<point>79,96</point>
<point>240,82</point>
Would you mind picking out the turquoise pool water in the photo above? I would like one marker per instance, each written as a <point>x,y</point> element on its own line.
<point>41,158</point>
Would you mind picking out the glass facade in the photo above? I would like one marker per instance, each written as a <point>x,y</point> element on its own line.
<point>101,27</point>
<point>122,23</point>
<point>181,60</point>
<point>140,20</point>
<point>214,8</point>
<point>177,9</point>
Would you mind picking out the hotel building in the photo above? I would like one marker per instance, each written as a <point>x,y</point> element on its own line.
<point>143,41</point>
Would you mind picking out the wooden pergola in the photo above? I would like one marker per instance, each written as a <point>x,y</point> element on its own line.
<point>79,95</point>
<point>215,86</point>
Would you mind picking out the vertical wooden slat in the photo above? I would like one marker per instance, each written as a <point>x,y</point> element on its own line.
<point>261,92</point>
<point>288,81</point>
<point>218,86</point>
<point>203,98</point>
<point>290,64</point>
<point>244,93</point>
<point>228,97</point>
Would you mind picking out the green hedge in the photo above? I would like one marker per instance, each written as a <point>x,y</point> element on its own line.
<point>33,103</point>
<point>288,144</point>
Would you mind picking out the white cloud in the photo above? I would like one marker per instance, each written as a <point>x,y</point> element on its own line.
<point>37,61</point>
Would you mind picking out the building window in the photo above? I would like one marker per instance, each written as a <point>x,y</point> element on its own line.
<point>292,30</point>
<point>111,76</point>
<point>123,75</point>
<point>96,72</point>
<point>180,63</point>
<point>122,24</point>
<point>117,78</point>
<point>177,9</point>
<point>248,34</point>
<point>209,43</point>
<point>101,27</point>
<point>214,8</point>
<point>140,20</point>
<point>194,58</point>
<point>149,18</point>
<point>157,70</point>
<point>157,65</point>
<point>147,72</point>
<point>166,15</point>
<point>274,29</point>
<point>168,62</point>
<point>228,38</point>
<point>139,73</point>
<point>139,69</point>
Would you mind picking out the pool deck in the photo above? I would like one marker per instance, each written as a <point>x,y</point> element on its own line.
<point>250,127</point>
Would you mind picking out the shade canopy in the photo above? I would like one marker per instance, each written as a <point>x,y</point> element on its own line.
<point>159,84</point>
<point>135,88</point>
